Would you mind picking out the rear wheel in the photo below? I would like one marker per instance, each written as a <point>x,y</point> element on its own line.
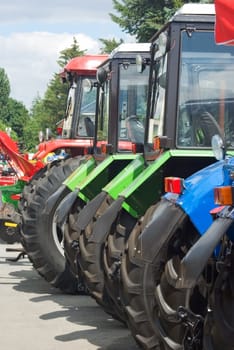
<point>114,247</point>
<point>90,260</point>
<point>131,289</point>
<point>42,237</point>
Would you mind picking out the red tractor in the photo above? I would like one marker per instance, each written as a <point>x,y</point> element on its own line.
<point>76,138</point>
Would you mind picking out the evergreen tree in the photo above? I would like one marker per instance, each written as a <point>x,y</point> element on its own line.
<point>109,44</point>
<point>70,52</point>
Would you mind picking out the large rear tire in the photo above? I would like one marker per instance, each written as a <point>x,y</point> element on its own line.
<point>90,260</point>
<point>131,289</point>
<point>114,248</point>
<point>41,237</point>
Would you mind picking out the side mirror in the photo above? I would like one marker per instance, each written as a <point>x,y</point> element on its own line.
<point>101,75</point>
<point>162,46</point>
<point>87,85</point>
<point>218,147</point>
<point>139,63</point>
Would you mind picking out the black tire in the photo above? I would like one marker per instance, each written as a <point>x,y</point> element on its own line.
<point>149,323</point>
<point>114,248</point>
<point>31,185</point>
<point>90,259</point>
<point>41,238</point>
<point>131,289</point>
<point>9,224</point>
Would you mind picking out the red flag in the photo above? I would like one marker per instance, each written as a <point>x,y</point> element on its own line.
<point>224,26</point>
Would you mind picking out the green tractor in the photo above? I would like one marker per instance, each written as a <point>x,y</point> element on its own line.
<point>119,130</point>
<point>156,282</point>
<point>184,110</point>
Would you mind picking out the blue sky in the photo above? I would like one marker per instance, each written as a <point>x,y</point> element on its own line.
<point>33,32</point>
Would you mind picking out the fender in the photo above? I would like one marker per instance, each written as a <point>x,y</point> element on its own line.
<point>196,259</point>
<point>198,197</point>
<point>158,231</point>
<point>65,206</point>
<point>55,197</point>
<point>103,224</point>
<point>88,212</point>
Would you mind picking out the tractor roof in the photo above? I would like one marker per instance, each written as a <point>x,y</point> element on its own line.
<point>84,65</point>
<point>196,9</point>
<point>195,13</point>
<point>131,47</point>
<point>127,50</point>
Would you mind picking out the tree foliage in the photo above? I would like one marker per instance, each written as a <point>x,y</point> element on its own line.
<point>109,44</point>
<point>13,114</point>
<point>50,109</point>
<point>17,117</point>
<point>70,52</point>
<point>142,18</point>
<point>4,95</point>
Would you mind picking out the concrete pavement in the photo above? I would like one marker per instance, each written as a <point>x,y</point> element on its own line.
<point>36,316</point>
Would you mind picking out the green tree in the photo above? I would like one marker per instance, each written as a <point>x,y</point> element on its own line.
<point>4,95</point>
<point>34,125</point>
<point>17,117</point>
<point>142,18</point>
<point>109,44</point>
<point>70,52</point>
<point>13,113</point>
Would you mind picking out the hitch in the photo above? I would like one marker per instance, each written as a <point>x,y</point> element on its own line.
<point>194,328</point>
<point>22,253</point>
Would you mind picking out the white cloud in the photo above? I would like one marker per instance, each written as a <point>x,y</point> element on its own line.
<point>56,11</point>
<point>34,32</point>
<point>30,60</point>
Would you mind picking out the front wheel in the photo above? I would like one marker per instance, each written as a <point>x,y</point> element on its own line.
<point>219,320</point>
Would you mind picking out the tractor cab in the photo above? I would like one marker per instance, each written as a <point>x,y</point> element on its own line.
<point>191,91</point>
<point>122,97</point>
<point>77,128</point>
<point>76,72</point>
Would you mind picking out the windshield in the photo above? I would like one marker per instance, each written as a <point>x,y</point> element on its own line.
<point>133,88</point>
<point>206,91</point>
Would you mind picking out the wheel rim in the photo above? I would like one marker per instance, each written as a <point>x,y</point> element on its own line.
<point>58,236</point>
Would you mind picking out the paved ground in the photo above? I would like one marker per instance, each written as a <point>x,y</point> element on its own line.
<point>33,315</point>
